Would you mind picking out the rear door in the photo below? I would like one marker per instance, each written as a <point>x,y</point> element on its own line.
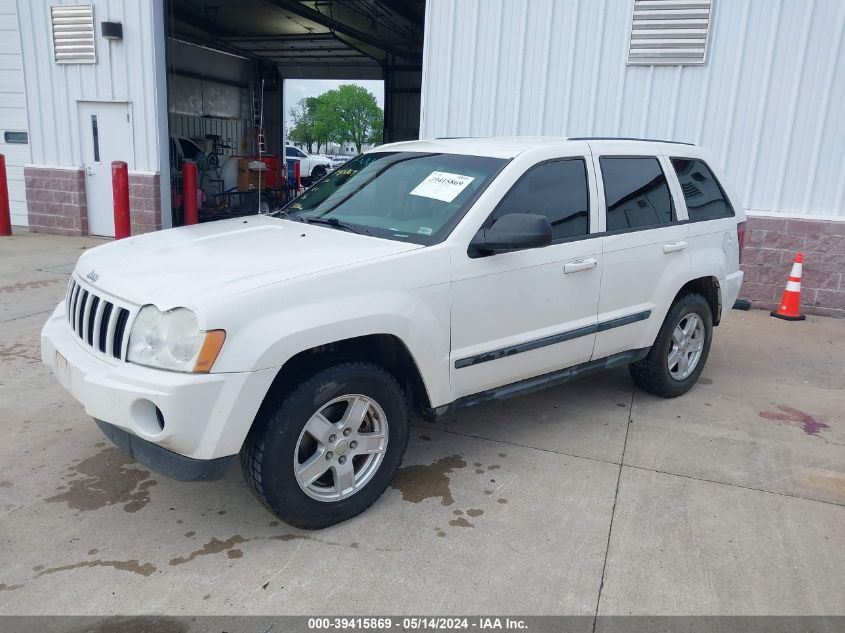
<point>645,249</point>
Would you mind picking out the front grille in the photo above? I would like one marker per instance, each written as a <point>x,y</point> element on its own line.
<point>99,323</point>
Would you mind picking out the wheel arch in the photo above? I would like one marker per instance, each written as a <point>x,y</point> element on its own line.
<point>710,289</point>
<point>385,350</point>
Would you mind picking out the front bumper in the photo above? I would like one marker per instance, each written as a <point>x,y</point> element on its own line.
<point>197,416</point>
<point>163,461</point>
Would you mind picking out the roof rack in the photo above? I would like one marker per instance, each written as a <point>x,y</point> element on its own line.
<point>625,138</point>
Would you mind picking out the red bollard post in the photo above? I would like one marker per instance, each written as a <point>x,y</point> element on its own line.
<point>5,212</point>
<point>120,196</point>
<point>189,192</point>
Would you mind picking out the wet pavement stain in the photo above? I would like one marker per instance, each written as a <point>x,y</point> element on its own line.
<point>18,350</point>
<point>475,512</point>
<point>420,482</point>
<point>29,285</point>
<point>809,424</point>
<point>214,546</point>
<point>705,381</point>
<point>134,566</point>
<point>461,522</point>
<point>5,587</point>
<point>235,553</point>
<point>106,479</point>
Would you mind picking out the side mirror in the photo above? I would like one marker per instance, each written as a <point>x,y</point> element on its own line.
<point>513,232</point>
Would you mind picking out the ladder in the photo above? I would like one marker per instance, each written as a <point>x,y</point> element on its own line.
<point>259,144</point>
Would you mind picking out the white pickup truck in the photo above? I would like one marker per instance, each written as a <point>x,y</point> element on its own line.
<point>421,277</point>
<point>311,166</point>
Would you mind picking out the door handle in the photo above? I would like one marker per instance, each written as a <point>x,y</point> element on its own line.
<point>89,170</point>
<point>674,247</point>
<point>577,265</point>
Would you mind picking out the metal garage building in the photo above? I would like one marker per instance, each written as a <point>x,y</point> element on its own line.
<point>176,69</point>
<point>762,82</point>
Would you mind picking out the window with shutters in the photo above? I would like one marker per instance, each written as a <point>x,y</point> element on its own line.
<point>669,32</point>
<point>73,34</point>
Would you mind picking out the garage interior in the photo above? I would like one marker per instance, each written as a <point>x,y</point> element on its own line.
<point>227,61</point>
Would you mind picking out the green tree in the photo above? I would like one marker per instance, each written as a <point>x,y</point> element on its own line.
<point>303,130</point>
<point>351,114</point>
<point>325,123</point>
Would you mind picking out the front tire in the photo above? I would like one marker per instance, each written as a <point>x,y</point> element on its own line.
<point>677,358</point>
<point>318,172</point>
<point>330,448</point>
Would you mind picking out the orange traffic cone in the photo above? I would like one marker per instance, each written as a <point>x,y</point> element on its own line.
<point>790,309</point>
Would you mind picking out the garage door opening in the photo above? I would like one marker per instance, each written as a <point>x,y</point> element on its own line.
<point>236,69</point>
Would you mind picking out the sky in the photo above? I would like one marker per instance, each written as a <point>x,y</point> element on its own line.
<point>296,89</point>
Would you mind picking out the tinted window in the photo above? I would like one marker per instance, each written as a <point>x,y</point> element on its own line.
<point>702,192</point>
<point>15,137</point>
<point>189,149</point>
<point>636,193</point>
<point>557,190</point>
<point>292,151</point>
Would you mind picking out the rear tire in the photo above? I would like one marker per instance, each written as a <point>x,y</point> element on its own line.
<point>281,455</point>
<point>677,358</point>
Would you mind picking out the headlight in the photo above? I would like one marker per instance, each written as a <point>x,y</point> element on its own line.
<point>172,340</point>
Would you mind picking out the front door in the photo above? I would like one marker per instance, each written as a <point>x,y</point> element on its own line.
<point>522,314</point>
<point>105,134</point>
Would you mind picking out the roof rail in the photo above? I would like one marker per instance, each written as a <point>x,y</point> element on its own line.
<point>625,138</point>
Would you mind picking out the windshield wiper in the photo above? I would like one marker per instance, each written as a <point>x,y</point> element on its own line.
<point>281,213</point>
<point>337,224</point>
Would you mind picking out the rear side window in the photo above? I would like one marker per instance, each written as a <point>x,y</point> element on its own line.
<point>636,193</point>
<point>556,189</point>
<point>706,200</point>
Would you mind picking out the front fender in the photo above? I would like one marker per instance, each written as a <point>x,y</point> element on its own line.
<point>419,318</point>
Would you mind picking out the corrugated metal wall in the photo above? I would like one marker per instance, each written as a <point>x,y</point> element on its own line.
<point>12,110</point>
<point>231,131</point>
<point>769,100</point>
<point>125,71</point>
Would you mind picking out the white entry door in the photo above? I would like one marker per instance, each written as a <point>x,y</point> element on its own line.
<point>105,134</point>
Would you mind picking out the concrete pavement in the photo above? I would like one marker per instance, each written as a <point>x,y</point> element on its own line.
<point>588,498</point>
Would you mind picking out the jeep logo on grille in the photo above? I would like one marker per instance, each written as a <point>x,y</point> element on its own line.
<point>92,276</point>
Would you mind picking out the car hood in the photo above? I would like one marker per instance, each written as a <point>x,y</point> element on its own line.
<point>193,265</point>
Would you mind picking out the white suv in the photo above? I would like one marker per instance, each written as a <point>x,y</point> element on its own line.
<point>420,277</point>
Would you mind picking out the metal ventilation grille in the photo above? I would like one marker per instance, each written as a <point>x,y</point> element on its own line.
<point>73,34</point>
<point>669,31</point>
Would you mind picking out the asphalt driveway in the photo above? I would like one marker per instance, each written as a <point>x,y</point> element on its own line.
<point>588,498</point>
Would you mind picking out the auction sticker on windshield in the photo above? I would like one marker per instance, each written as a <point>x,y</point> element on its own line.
<point>442,185</point>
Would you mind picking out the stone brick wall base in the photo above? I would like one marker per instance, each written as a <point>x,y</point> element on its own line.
<point>144,202</point>
<point>770,248</point>
<point>55,200</point>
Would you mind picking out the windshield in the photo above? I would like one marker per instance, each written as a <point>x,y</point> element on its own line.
<point>409,196</point>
